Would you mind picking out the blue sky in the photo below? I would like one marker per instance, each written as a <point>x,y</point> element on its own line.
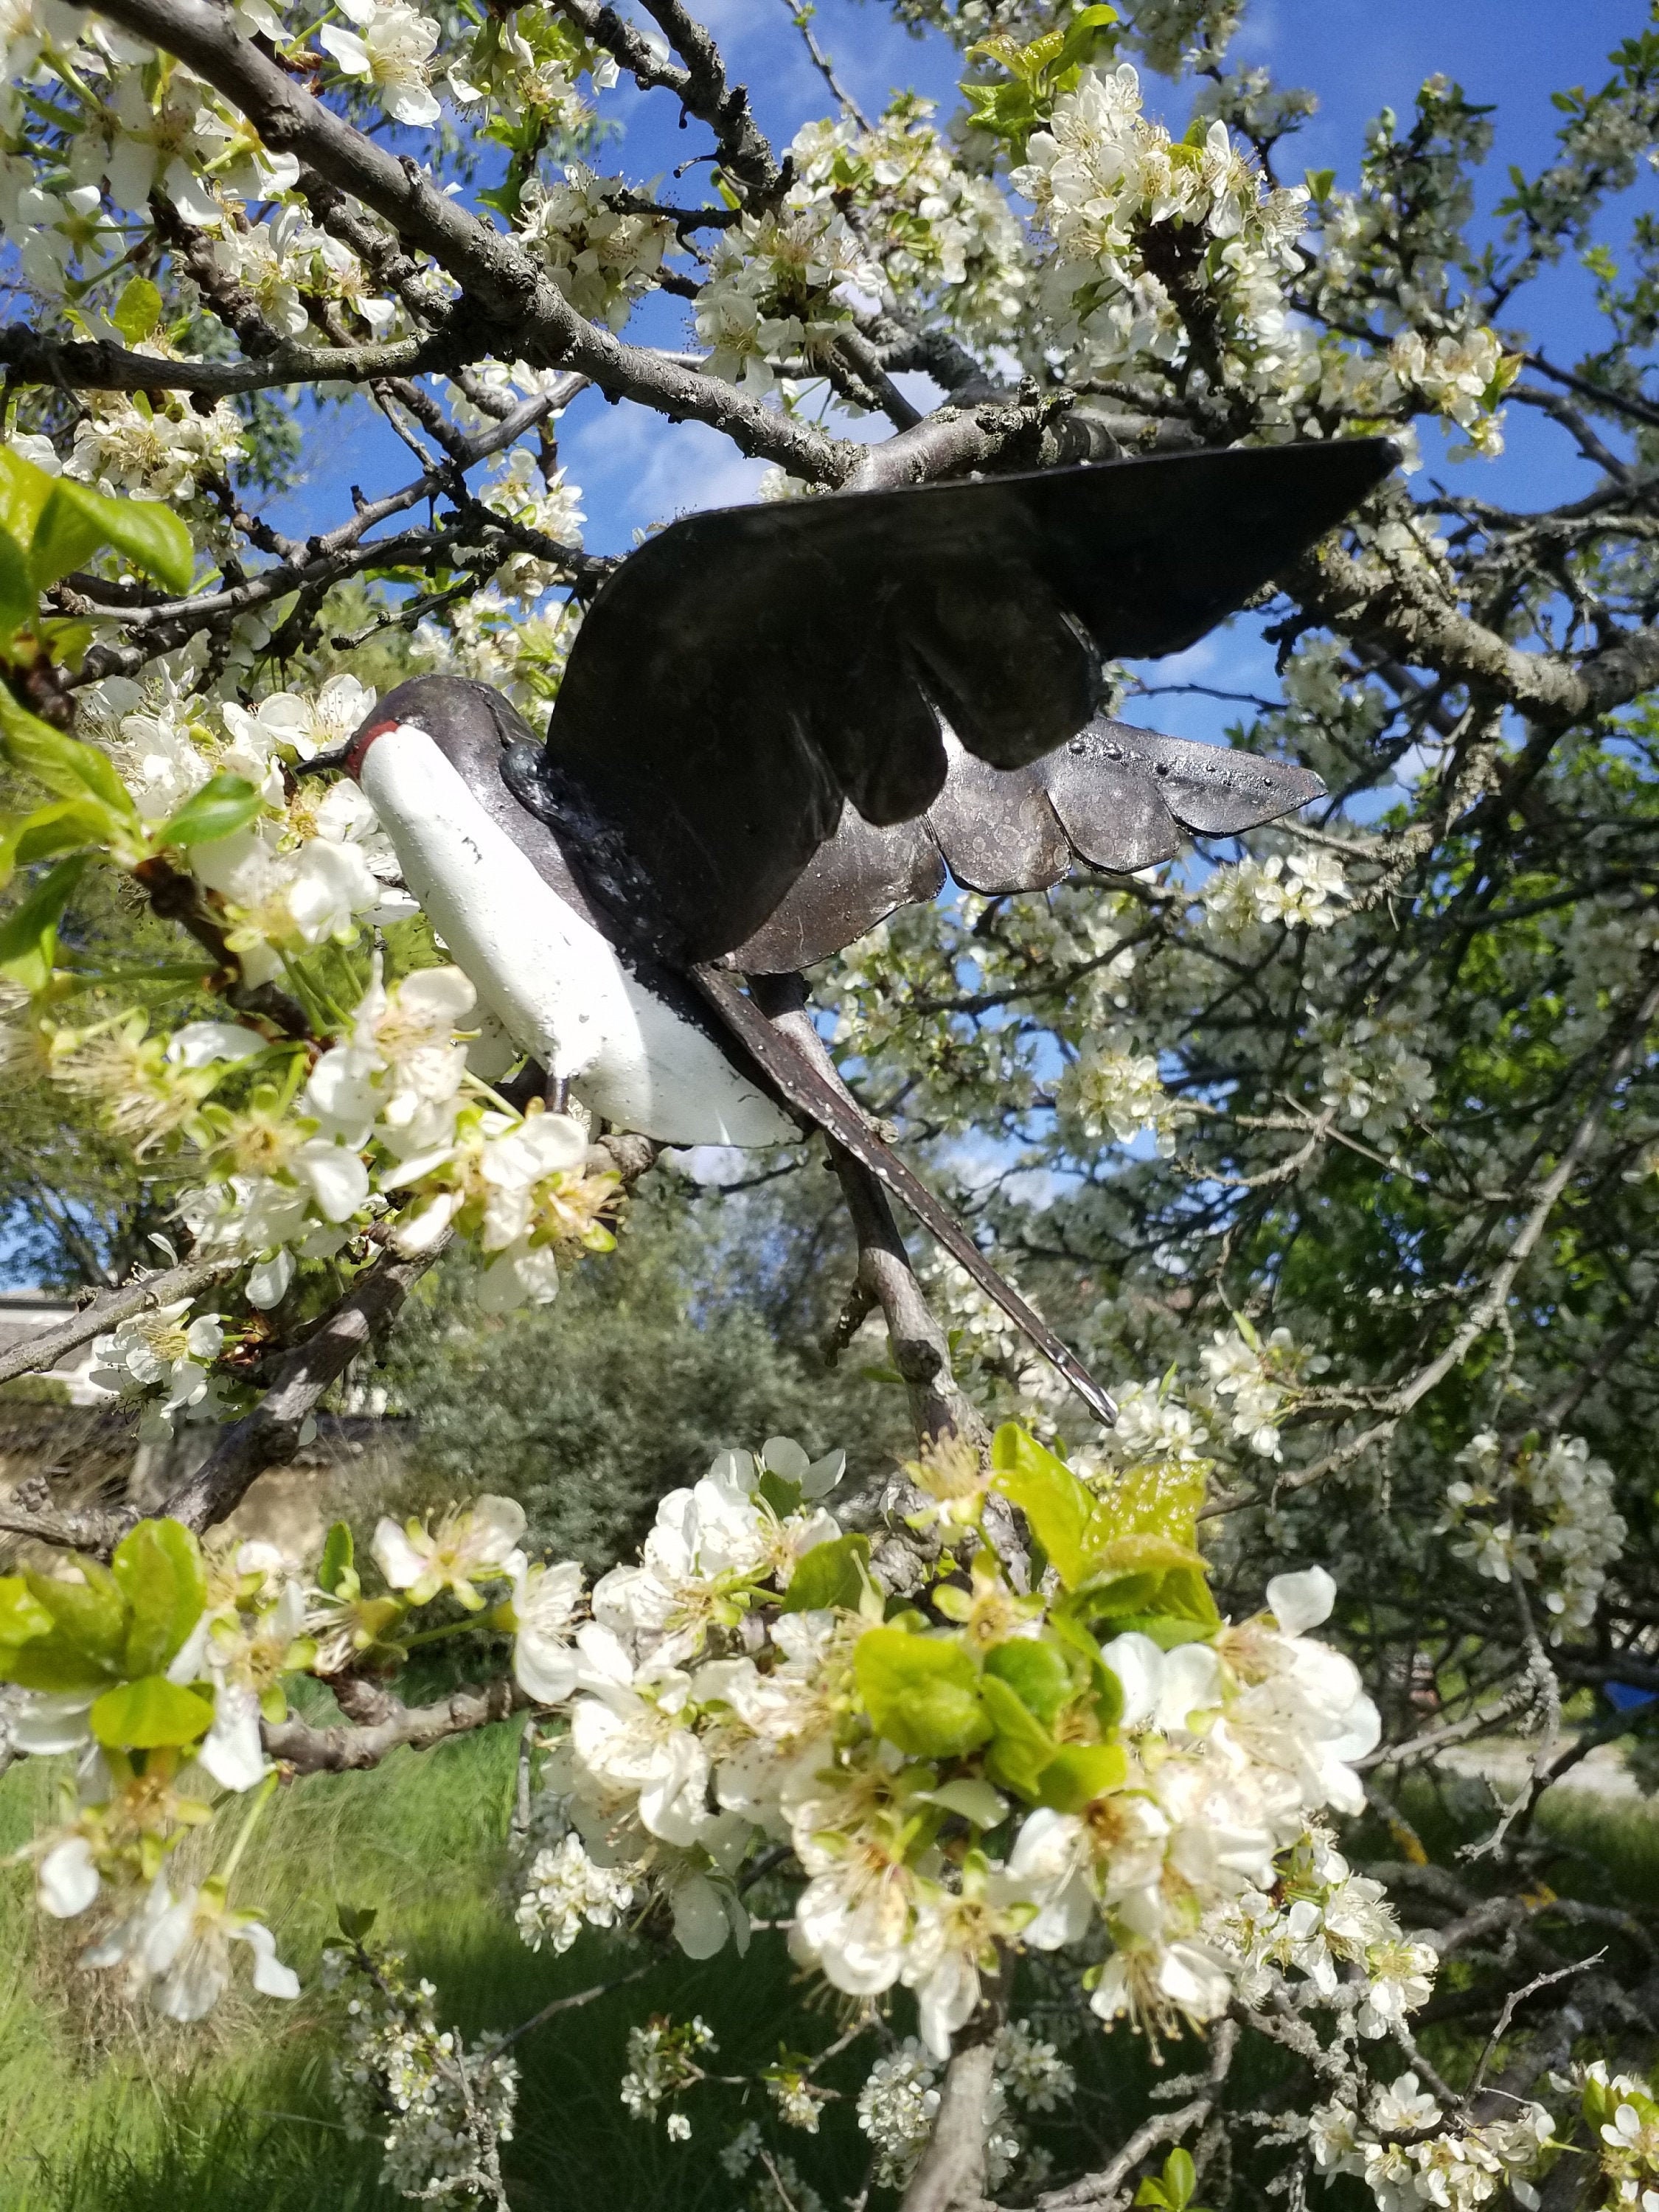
<point>1357,56</point>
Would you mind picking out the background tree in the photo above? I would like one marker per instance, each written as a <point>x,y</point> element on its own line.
<point>1340,1151</point>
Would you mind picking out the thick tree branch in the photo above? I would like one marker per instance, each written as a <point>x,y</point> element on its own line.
<point>347,1747</point>
<point>1411,618</point>
<point>271,1433</point>
<point>950,2177</point>
<point>98,364</point>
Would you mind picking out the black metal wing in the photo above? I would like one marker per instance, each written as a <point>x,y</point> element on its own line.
<point>746,671</point>
<point>1114,797</point>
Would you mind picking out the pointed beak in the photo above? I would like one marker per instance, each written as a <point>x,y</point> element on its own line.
<point>338,756</point>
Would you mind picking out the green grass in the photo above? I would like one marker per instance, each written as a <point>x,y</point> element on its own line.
<point>102,2110</point>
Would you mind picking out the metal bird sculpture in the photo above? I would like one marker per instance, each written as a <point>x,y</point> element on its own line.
<point>779,723</point>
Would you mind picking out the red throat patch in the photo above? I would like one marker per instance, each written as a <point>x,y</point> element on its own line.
<point>360,745</point>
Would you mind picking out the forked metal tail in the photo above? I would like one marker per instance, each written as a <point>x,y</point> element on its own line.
<point>840,1116</point>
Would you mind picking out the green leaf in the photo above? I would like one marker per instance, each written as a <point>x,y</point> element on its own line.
<point>56,828</point>
<point>138,310</point>
<point>921,1692</point>
<point>67,535</point>
<point>91,1614</point>
<point>154,538</point>
<point>1150,1574</point>
<point>1021,1748</point>
<point>1058,1506</point>
<point>223,806</point>
<point>24,490</point>
<point>21,1613</point>
<point>22,1617</point>
<point>20,602</point>
<point>1080,1773</point>
<point>1166,1629</point>
<point>780,1494</point>
<point>62,763</point>
<point>144,1715</point>
<point>1083,37</point>
<point>75,523</point>
<point>338,1558</point>
<point>974,1800</point>
<point>28,937</point>
<point>53,1662</point>
<point>1106,1690</point>
<point>1161,1499</point>
<point>356,1920</point>
<point>828,1575</point>
<point>158,1569</point>
<point>1036,1672</point>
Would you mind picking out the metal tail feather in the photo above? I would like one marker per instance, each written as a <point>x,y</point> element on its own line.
<point>841,1117</point>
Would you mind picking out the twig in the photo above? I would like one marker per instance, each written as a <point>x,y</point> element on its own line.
<point>574,2003</point>
<point>105,1311</point>
<point>1100,2191</point>
<point>1512,2004</point>
<point>801,16</point>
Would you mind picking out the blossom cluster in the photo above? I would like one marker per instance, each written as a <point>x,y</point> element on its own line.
<point>1111,1091</point>
<point>1144,228</point>
<point>1322,1920</point>
<point>1558,1528</point>
<point>775,290</point>
<point>1456,2165</point>
<point>748,1680</point>
<point>899,2101</point>
<point>941,235</point>
<point>1623,2116</point>
<point>440,2110</point>
<point>297,1147</point>
<point>1244,900</point>
<point>154,1674</point>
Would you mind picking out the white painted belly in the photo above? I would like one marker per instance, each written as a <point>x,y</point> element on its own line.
<point>556,986</point>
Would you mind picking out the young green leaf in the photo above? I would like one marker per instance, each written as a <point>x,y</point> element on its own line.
<point>90,1614</point>
<point>24,490</point>
<point>1036,1672</point>
<point>75,523</point>
<point>145,1715</point>
<point>1057,1505</point>
<point>1080,1773</point>
<point>56,828</point>
<point>828,1575</point>
<point>223,806</point>
<point>138,310</point>
<point>62,763</point>
<point>338,1558</point>
<point>158,1569</point>
<point>22,1617</point>
<point>1021,1748</point>
<point>921,1692</point>
<point>20,602</point>
<point>28,937</point>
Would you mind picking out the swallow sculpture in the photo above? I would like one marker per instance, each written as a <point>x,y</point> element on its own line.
<point>778,724</point>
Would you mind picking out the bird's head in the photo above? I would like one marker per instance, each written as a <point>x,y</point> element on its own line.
<point>348,759</point>
<point>469,723</point>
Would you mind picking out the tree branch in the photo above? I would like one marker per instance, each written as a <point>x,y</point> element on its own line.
<point>1099,2191</point>
<point>35,1353</point>
<point>950,2177</point>
<point>271,1433</point>
<point>347,1747</point>
<point>514,306</point>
